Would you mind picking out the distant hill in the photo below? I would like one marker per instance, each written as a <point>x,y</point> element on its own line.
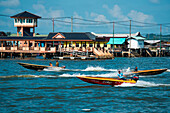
<point>157,37</point>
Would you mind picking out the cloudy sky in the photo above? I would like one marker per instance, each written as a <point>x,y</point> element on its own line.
<point>140,12</point>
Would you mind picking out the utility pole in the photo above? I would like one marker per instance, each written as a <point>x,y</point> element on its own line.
<point>71,24</point>
<point>130,40</point>
<point>53,24</point>
<point>113,38</point>
<point>130,33</point>
<point>160,39</point>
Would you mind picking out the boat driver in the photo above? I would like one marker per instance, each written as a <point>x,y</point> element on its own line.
<point>136,69</point>
<point>57,63</point>
<point>120,75</point>
<point>50,64</point>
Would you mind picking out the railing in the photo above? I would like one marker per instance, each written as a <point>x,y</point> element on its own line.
<point>25,49</point>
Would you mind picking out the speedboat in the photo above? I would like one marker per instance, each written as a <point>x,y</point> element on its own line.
<point>37,67</point>
<point>106,81</point>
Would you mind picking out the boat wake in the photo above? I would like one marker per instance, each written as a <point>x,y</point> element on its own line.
<point>90,68</point>
<point>27,76</point>
<point>98,75</point>
<point>141,83</point>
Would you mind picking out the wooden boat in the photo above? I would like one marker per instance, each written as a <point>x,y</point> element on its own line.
<point>105,81</point>
<point>37,67</point>
<point>150,72</point>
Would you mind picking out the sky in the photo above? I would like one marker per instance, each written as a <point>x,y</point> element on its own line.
<point>146,15</point>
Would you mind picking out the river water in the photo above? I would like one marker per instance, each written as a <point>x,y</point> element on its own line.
<point>51,90</point>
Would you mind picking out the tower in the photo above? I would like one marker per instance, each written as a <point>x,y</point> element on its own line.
<point>24,22</point>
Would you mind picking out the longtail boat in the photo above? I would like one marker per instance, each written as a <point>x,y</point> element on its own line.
<point>37,67</point>
<point>150,72</point>
<point>106,81</point>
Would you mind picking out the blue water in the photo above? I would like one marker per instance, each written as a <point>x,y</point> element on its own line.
<point>51,90</point>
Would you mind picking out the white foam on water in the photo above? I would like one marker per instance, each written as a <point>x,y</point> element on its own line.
<point>168,70</point>
<point>125,85</point>
<point>141,83</point>
<point>86,110</point>
<point>55,69</point>
<point>91,68</point>
<point>98,75</point>
<point>98,68</point>
<point>27,76</point>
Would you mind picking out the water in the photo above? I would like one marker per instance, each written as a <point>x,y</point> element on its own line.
<point>51,90</point>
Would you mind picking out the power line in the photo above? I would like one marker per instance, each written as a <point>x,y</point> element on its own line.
<point>97,23</point>
<point>4,15</point>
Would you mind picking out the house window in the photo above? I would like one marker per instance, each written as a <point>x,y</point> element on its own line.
<point>77,44</point>
<point>84,45</point>
<point>23,20</point>
<point>105,45</point>
<point>35,20</point>
<point>15,20</point>
<point>30,20</point>
<point>70,45</point>
<point>91,45</point>
<point>20,20</point>
<point>98,45</point>
<point>27,20</point>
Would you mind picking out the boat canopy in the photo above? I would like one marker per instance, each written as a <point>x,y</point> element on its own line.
<point>116,40</point>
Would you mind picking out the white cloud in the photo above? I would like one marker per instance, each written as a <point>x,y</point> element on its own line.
<point>48,13</point>
<point>9,3</point>
<point>40,9</point>
<point>56,13</point>
<point>154,1</point>
<point>75,14</point>
<point>139,16</point>
<point>98,17</point>
<point>45,12</point>
<point>116,12</point>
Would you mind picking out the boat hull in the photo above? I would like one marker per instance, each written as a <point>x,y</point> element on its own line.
<point>105,81</point>
<point>36,67</point>
<point>150,72</point>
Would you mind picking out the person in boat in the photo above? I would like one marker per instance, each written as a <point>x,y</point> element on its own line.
<point>57,64</point>
<point>121,76</point>
<point>136,69</point>
<point>50,64</point>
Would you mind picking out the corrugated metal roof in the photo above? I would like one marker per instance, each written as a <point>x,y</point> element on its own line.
<point>151,41</point>
<point>117,40</point>
<point>116,35</point>
<point>25,14</point>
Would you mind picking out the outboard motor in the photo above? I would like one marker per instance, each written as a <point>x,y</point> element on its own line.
<point>135,77</point>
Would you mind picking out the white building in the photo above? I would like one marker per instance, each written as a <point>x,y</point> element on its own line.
<point>136,42</point>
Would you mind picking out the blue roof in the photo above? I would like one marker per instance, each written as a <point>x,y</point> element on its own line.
<point>117,40</point>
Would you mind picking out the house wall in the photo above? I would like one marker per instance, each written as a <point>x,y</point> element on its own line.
<point>135,43</point>
<point>87,44</point>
